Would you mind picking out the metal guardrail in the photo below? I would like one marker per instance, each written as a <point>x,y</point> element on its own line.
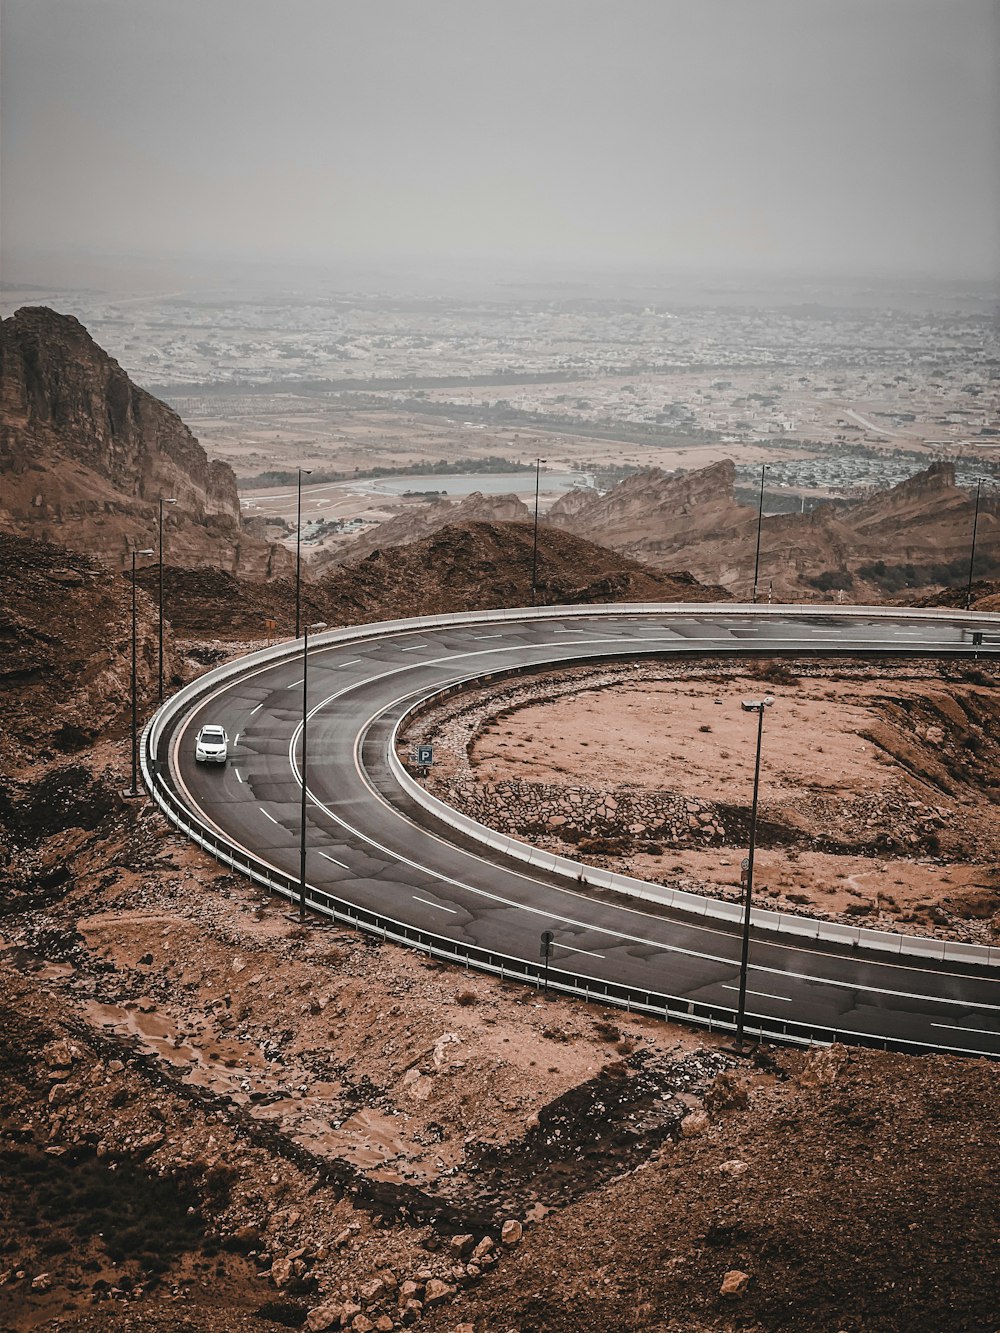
<point>716,1018</point>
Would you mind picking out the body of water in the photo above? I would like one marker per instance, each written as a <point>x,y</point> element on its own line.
<point>489,483</point>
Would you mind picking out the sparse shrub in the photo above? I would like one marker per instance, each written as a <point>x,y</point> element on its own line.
<point>466,998</point>
<point>830,579</point>
<point>607,1031</point>
<point>705,726</point>
<point>773,671</point>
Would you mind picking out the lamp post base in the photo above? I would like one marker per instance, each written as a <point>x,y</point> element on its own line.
<point>132,794</point>
<point>745,1052</point>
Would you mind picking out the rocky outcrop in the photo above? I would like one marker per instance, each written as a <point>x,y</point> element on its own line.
<point>694,522</point>
<point>927,517</point>
<point>85,455</point>
<point>416,524</point>
<point>664,520</point>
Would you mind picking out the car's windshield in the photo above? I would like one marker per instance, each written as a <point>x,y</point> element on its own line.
<point>212,734</point>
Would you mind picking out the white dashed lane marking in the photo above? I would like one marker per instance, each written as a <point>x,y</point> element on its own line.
<point>440,906</point>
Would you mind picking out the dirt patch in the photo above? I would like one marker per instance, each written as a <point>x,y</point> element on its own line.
<point>854,1189</point>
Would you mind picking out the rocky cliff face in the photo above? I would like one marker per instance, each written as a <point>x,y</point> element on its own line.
<point>85,455</point>
<point>921,527</point>
<point>667,521</point>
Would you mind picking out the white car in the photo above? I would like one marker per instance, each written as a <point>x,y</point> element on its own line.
<point>212,745</point>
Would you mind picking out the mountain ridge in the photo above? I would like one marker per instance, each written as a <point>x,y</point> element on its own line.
<point>86,454</point>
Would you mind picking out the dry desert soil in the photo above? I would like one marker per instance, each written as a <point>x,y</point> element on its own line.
<point>214,1118</point>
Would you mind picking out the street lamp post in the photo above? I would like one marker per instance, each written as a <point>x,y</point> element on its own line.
<point>163,501</point>
<point>320,624</point>
<point>972,557</point>
<point>133,789</point>
<point>534,545</point>
<point>298,552</point>
<point>760,520</point>
<point>750,706</point>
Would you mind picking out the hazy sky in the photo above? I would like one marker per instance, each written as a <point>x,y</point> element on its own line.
<point>853,136</point>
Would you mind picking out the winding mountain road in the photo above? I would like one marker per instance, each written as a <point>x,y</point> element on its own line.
<point>375,849</point>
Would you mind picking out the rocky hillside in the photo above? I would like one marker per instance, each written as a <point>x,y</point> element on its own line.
<point>915,535</point>
<point>473,567</point>
<point>85,455</point>
<point>65,617</point>
<point>416,524</point>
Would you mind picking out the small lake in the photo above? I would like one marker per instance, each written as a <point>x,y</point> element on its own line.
<point>489,483</point>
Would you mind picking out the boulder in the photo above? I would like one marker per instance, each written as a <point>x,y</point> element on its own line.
<point>734,1167</point>
<point>461,1245</point>
<point>59,1054</point>
<point>694,1124</point>
<point>734,1284</point>
<point>282,1272</point>
<point>485,1252</point>
<point>437,1291</point>
<point>325,1316</point>
<point>371,1291</point>
<point>60,1094</point>
<point>512,1232</point>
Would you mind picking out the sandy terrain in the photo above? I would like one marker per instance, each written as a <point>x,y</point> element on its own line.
<point>864,813</point>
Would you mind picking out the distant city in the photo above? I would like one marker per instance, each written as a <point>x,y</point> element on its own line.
<point>838,398</point>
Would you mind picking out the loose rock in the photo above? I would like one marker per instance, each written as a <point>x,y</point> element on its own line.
<point>735,1283</point>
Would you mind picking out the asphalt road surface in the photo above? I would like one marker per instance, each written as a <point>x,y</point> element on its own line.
<point>369,845</point>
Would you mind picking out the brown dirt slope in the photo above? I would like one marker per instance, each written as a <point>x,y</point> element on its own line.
<point>855,1191</point>
<point>472,567</point>
<point>414,525</point>
<point>65,648</point>
<point>985,597</point>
